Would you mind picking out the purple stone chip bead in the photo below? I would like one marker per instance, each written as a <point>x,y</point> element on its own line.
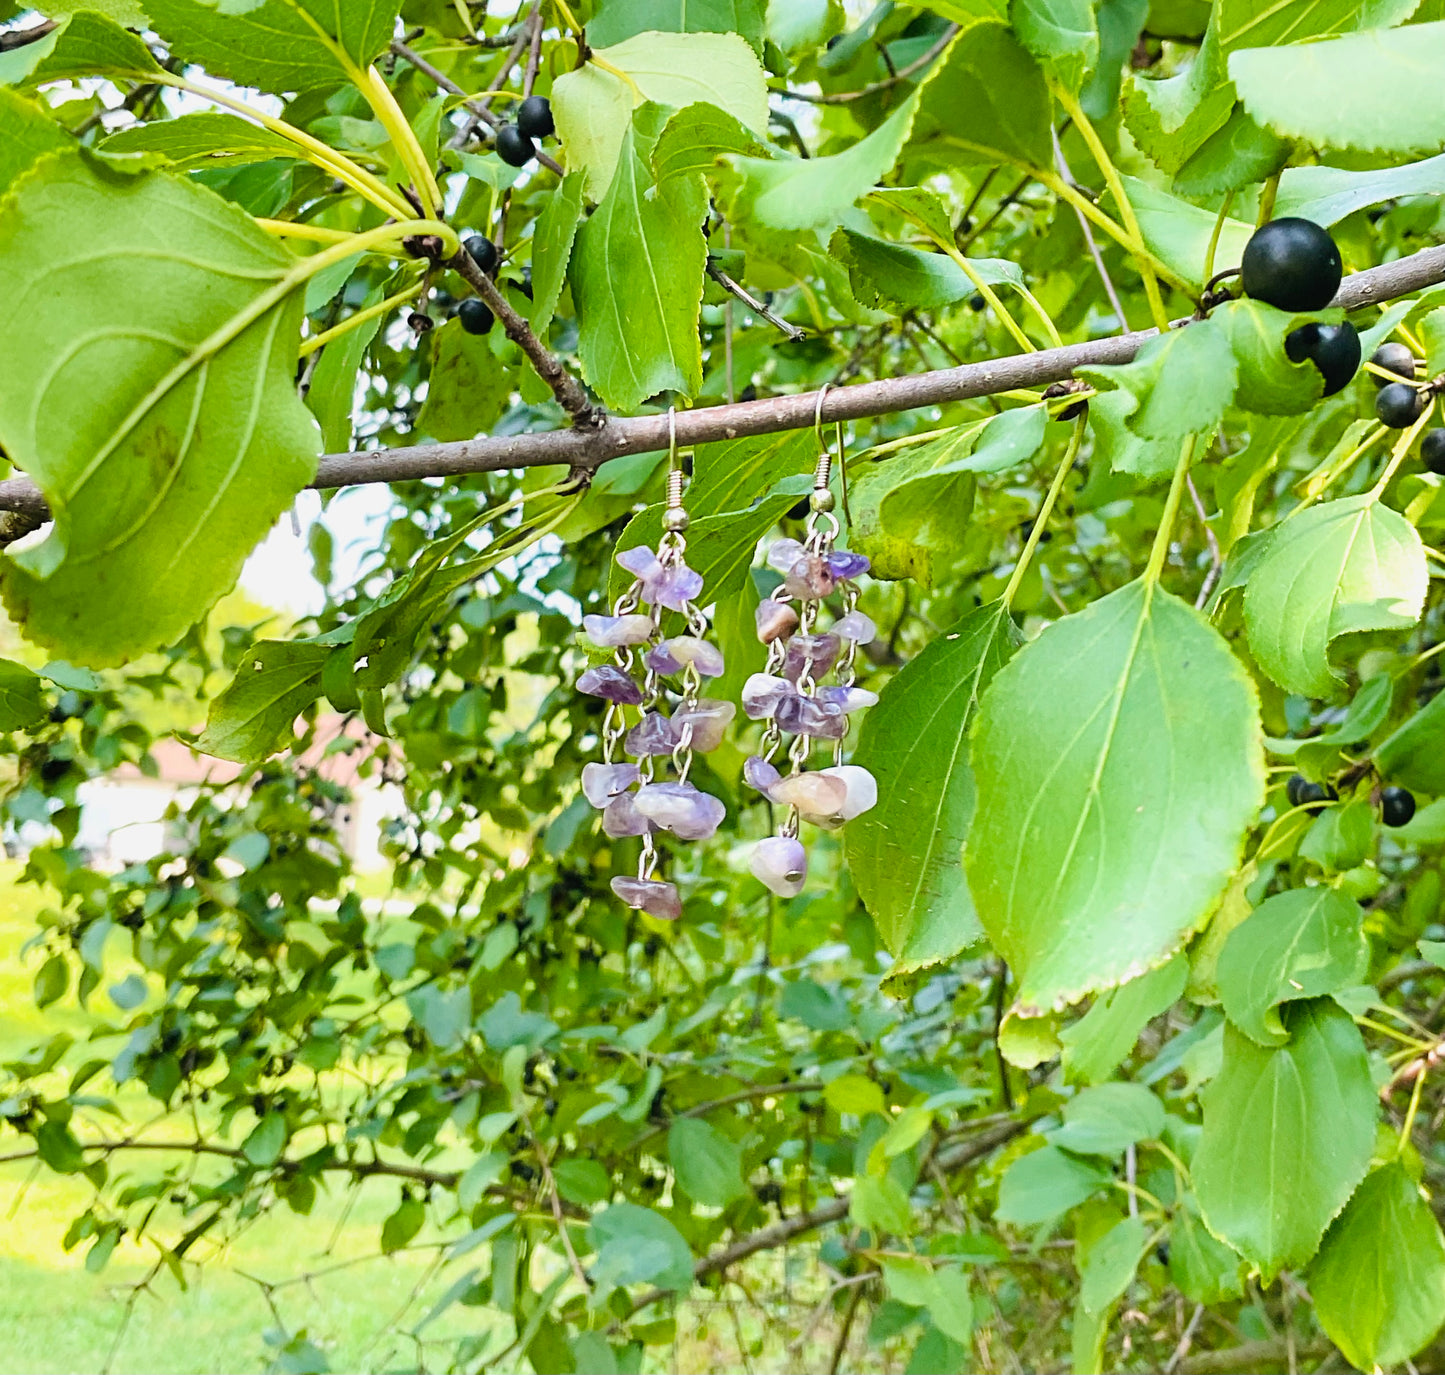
<point>783,554</point>
<point>611,684</point>
<point>612,632</point>
<point>654,734</point>
<point>815,795</point>
<point>848,699</point>
<point>674,655</point>
<point>686,811</point>
<point>761,694</point>
<point>640,561</point>
<point>603,782</point>
<point>860,786</point>
<point>781,863</point>
<point>672,587</point>
<point>799,715</point>
<point>818,653</point>
<point>620,817</point>
<point>845,564</point>
<point>650,895</point>
<point>709,719</point>
<point>857,627</point>
<point>811,576</point>
<point>759,773</point>
<point>775,619</point>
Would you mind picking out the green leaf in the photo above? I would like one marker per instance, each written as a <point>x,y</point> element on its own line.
<point>880,1203</point>
<point>468,389</point>
<point>638,1246</point>
<point>51,981</point>
<point>1269,383</point>
<point>708,1165</point>
<point>86,44</point>
<point>1287,1136</point>
<point>276,681</point>
<point>155,510</point>
<point>898,277</point>
<point>1181,382</point>
<point>21,703</point>
<point>637,276</point>
<point>905,854</point>
<point>593,108</point>
<point>1348,92</point>
<point>208,139</point>
<point>267,1140</point>
<point>1109,1267</point>
<point>854,1093</point>
<point>1042,1186</point>
<point>986,102</point>
<point>1095,1045</point>
<point>1335,569</point>
<point>1178,233</point>
<point>333,382</point>
<point>280,45</point>
<point>696,137</point>
<point>1305,943</point>
<point>57,1146</point>
<point>401,1227</point>
<point>1327,194</point>
<point>552,240</point>
<point>1061,34</point>
<point>1120,23</point>
<point>27,134</point>
<point>1379,1280</point>
<point>1414,755</point>
<point>1106,1119</point>
<point>1117,446</point>
<point>1089,867</point>
<point>618,20</point>
<point>805,193</point>
<point>1203,1267</point>
<point>796,25</point>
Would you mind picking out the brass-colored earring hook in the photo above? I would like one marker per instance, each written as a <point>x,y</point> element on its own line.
<point>674,518</point>
<point>821,499</point>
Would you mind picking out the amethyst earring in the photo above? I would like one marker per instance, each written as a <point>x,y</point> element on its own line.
<point>633,798</point>
<point>791,695</point>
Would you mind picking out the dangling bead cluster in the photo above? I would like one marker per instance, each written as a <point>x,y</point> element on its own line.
<point>792,697</point>
<point>633,800</point>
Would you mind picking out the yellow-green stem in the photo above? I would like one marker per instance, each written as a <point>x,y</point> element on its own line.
<point>1266,199</point>
<point>991,296</point>
<point>356,321</point>
<point>1115,184</point>
<point>403,139</point>
<point>1409,1124</point>
<point>1160,551</point>
<point>1329,473</point>
<point>315,233</point>
<point>1402,447</point>
<point>1214,236</point>
<point>606,66</point>
<point>1046,510</point>
<point>568,18</point>
<point>1045,318</point>
<point>328,159</point>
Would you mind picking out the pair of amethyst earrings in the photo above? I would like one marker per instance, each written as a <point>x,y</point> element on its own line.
<point>789,695</point>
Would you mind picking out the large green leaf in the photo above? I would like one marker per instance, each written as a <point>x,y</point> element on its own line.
<point>1095,1045</point>
<point>906,854</point>
<point>987,102</point>
<point>618,20</point>
<point>1043,1185</point>
<point>1379,1280</point>
<point>333,382</point>
<point>1327,194</point>
<point>1061,34</point>
<point>1106,1119</point>
<point>593,108</point>
<point>795,25</point>
<point>1111,815</point>
<point>275,682</point>
<point>1178,233</point>
<point>1287,1136</point>
<point>1414,755</point>
<point>1348,92</point>
<point>552,240</point>
<point>708,1165</point>
<point>1269,383</point>
<point>279,45</point>
<point>638,1246</point>
<point>1181,383</point>
<point>468,388</point>
<point>27,134</point>
<point>207,139</point>
<point>1304,943</point>
<point>86,44</point>
<point>192,440</point>
<point>637,275</point>
<point>899,277</point>
<point>1337,568</point>
<point>805,193</point>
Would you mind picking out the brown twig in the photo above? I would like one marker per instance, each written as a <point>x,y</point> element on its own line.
<point>586,450</point>
<point>1118,306</point>
<point>1216,557</point>
<point>902,74</point>
<point>20,38</point>
<point>752,302</point>
<point>468,126</point>
<point>570,394</point>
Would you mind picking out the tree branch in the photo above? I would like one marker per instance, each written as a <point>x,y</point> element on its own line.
<point>903,73</point>
<point>587,449</point>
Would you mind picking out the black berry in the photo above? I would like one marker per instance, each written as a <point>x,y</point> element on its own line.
<point>1292,264</point>
<point>476,316</point>
<point>1395,358</point>
<point>1432,450</point>
<point>1302,793</point>
<point>514,147</point>
<point>534,117</point>
<point>1397,806</point>
<point>1334,350</point>
<point>483,252</point>
<point>976,301</point>
<point>1399,405</point>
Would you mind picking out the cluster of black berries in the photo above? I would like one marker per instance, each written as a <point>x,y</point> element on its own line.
<point>476,316</point>
<point>517,143</point>
<point>1294,265</point>
<point>1397,805</point>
